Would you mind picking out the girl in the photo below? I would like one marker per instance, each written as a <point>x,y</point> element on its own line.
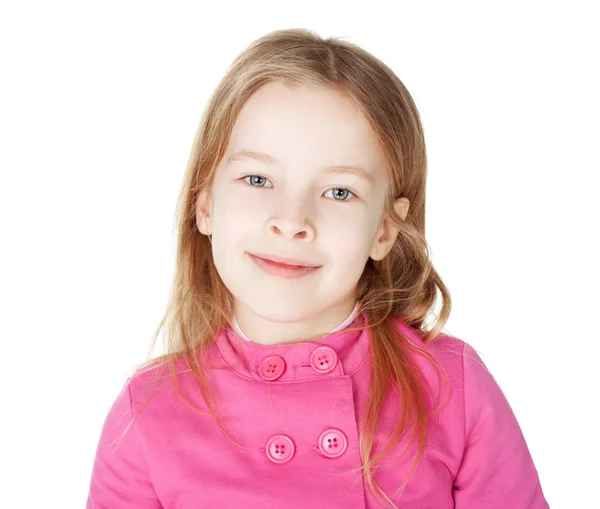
<point>300,372</point>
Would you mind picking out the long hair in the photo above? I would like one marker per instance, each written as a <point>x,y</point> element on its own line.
<point>402,285</point>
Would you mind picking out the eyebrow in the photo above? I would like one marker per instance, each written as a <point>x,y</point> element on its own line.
<point>336,168</point>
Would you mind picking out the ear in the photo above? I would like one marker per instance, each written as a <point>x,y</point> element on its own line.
<point>203,218</point>
<point>387,232</point>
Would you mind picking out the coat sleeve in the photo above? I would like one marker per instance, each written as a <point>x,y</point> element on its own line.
<point>120,477</point>
<point>497,470</point>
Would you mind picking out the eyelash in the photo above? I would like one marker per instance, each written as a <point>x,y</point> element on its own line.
<point>344,188</point>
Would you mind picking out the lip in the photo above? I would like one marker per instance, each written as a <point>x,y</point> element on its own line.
<point>283,261</point>
<point>280,269</point>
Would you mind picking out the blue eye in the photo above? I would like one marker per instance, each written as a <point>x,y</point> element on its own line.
<point>255,181</point>
<point>345,192</point>
<point>251,177</point>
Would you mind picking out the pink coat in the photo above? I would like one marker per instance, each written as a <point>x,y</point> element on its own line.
<point>295,410</point>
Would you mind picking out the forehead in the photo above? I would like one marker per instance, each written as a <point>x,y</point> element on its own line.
<point>306,125</point>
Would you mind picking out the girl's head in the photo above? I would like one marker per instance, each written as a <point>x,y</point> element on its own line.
<point>309,149</point>
<point>270,174</point>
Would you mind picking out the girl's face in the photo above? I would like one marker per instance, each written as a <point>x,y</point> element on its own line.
<point>290,202</point>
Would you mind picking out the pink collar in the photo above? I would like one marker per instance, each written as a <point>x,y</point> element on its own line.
<point>332,355</point>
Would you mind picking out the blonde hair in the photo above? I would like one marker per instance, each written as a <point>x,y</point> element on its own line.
<point>402,285</point>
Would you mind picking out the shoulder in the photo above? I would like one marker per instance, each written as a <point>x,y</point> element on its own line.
<point>153,380</point>
<point>458,359</point>
<point>446,349</point>
<point>471,382</point>
<point>158,383</point>
<point>453,352</point>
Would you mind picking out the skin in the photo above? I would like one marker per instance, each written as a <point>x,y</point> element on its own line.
<point>294,208</point>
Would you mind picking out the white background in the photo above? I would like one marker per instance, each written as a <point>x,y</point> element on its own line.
<point>99,104</point>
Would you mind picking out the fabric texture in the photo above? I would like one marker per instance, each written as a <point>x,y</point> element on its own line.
<point>295,410</point>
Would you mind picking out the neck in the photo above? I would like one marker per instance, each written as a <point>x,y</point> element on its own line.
<point>266,331</point>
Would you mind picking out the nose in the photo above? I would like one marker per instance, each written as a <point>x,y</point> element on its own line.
<point>291,222</point>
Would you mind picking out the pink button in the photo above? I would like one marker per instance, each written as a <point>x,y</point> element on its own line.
<point>323,359</point>
<point>333,443</point>
<point>280,449</point>
<point>271,368</point>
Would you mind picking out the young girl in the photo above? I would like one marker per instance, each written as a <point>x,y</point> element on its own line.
<point>300,372</point>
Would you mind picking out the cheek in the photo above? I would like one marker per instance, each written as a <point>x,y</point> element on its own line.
<point>348,256</point>
<point>349,243</point>
<point>233,216</point>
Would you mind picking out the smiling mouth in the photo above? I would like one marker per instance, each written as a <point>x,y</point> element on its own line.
<point>281,269</point>
<point>290,262</point>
